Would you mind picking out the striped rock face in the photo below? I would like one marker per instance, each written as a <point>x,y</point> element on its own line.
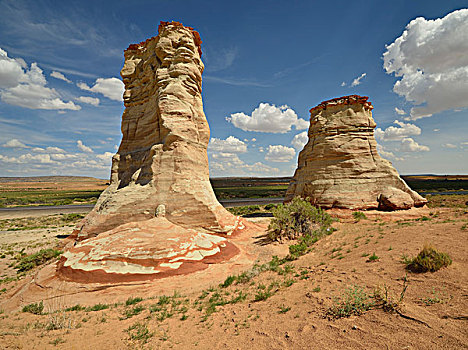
<point>162,159</point>
<point>159,216</point>
<point>143,250</point>
<point>339,167</point>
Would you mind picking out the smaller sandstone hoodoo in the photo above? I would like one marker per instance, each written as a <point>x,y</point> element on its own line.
<point>339,166</point>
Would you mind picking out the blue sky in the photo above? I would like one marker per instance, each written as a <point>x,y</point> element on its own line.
<point>266,64</point>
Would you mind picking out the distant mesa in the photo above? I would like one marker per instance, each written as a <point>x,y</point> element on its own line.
<point>339,166</point>
<point>159,216</point>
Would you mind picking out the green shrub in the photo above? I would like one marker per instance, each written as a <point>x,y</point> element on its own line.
<point>31,261</point>
<point>139,332</point>
<point>130,312</point>
<point>298,218</point>
<point>228,281</point>
<point>359,215</point>
<point>354,301</point>
<point>76,307</point>
<point>97,307</point>
<point>35,308</point>
<point>133,301</point>
<point>245,210</point>
<point>388,301</point>
<point>428,259</point>
<point>373,257</point>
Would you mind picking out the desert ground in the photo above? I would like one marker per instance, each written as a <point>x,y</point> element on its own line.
<point>271,305</point>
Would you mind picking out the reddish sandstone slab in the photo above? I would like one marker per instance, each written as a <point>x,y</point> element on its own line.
<point>143,250</point>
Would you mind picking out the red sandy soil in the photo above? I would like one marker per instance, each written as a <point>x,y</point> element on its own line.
<point>432,315</point>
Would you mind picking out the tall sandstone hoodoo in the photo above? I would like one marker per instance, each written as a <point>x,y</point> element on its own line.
<point>162,159</point>
<point>159,216</point>
<point>339,166</point>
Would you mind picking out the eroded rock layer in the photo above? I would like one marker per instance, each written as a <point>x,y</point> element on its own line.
<point>162,159</point>
<point>143,250</point>
<point>339,166</point>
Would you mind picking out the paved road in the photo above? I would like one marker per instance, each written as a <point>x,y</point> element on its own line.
<point>19,212</point>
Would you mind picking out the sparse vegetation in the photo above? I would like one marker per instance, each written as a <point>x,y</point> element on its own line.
<point>388,301</point>
<point>139,332</point>
<point>130,312</point>
<point>283,309</point>
<point>32,223</point>
<point>35,308</point>
<point>133,301</point>
<point>359,215</point>
<point>428,259</point>
<point>373,257</point>
<point>296,219</point>
<point>46,197</point>
<point>353,301</point>
<point>29,262</point>
<point>76,307</point>
<point>263,293</point>
<point>97,307</point>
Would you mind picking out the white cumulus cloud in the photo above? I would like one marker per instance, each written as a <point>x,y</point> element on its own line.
<point>449,145</point>
<point>268,118</point>
<point>60,76</point>
<point>300,140</point>
<point>280,153</point>
<point>14,143</point>
<point>89,100</point>
<point>106,156</point>
<point>431,60</point>
<point>112,88</point>
<point>357,81</point>
<point>409,145</point>
<point>393,133</point>
<point>386,154</point>
<point>83,148</point>
<point>229,145</point>
<point>399,111</point>
<point>20,86</point>
<point>223,164</point>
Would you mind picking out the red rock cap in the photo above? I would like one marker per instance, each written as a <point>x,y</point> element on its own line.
<point>344,100</point>
<point>162,24</point>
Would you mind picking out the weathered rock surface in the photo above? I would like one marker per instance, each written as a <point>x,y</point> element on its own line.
<point>339,166</point>
<point>162,159</point>
<point>159,216</point>
<point>143,250</point>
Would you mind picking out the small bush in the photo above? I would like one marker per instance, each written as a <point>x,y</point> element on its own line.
<point>228,281</point>
<point>35,308</point>
<point>354,301</point>
<point>428,259</point>
<point>359,215</point>
<point>128,313</point>
<point>133,301</point>
<point>139,332</point>
<point>76,307</point>
<point>97,307</point>
<point>31,261</point>
<point>387,300</point>
<point>298,218</point>
<point>373,257</point>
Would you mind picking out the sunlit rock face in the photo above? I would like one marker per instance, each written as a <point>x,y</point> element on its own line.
<point>162,159</point>
<point>339,166</point>
<point>159,216</point>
